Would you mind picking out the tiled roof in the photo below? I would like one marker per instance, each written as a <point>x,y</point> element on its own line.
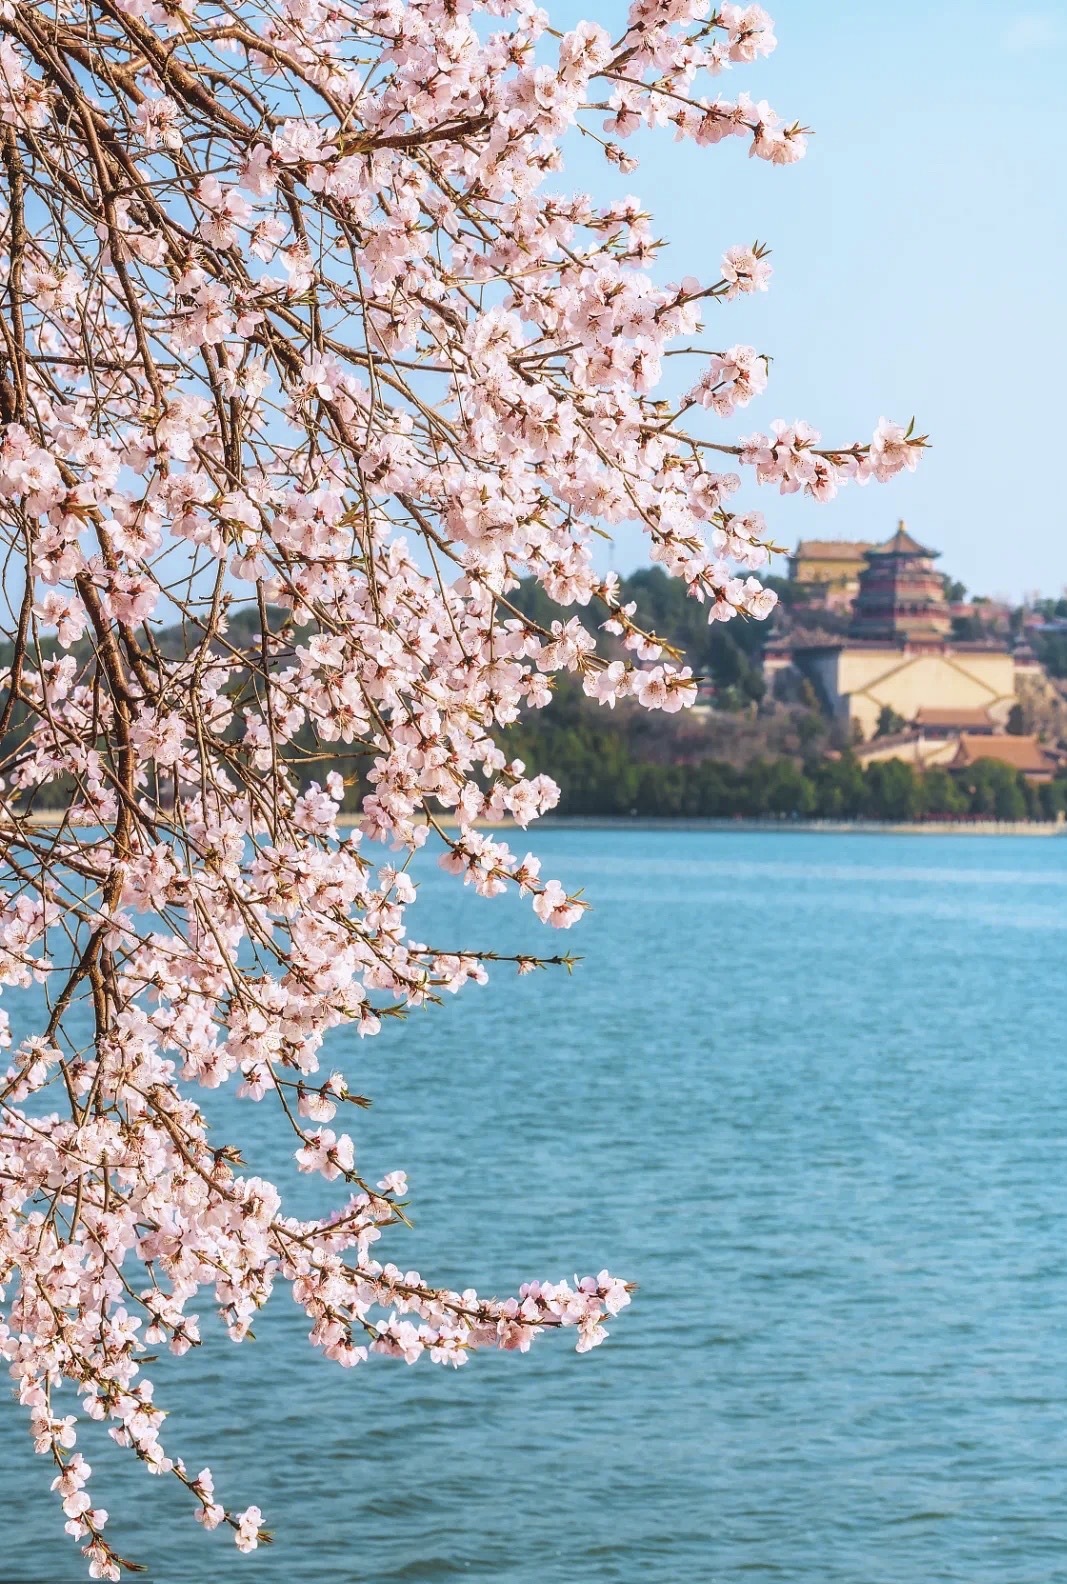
<point>814,638</point>
<point>878,745</point>
<point>1022,753</point>
<point>902,543</point>
<point>834,549</point>
<point>960,718</point>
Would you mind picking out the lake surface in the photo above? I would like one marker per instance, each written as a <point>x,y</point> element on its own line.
<point>810,1092</point>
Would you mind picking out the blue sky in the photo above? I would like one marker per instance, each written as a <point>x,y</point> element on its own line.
<point>920,255</point>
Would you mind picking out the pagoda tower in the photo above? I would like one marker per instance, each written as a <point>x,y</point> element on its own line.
<point>901,598</point>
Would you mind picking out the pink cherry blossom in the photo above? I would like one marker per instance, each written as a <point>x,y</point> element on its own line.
<point>247,1535</point>
<point>745,271</point>
<point>311,357</point>
<point>328,1153</point>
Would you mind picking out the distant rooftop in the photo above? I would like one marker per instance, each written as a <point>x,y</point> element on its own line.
<point>834,549</point>
<point>888,645</point>
<point>961,719</point>
<point>902,543</point>
<point>1021,753</point>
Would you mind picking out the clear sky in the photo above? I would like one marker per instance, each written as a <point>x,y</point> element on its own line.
<point>920,256</point>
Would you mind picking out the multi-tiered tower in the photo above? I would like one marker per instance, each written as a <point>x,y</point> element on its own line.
<point>899,659</point>
<point>901,598</point>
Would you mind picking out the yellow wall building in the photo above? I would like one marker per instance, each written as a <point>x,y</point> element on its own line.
<point>831,564</point>
<point>858,680</point>
<point>898,654</point>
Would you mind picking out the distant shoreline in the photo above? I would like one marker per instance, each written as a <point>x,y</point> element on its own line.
<point>740,826</point>
<point>807,827</point>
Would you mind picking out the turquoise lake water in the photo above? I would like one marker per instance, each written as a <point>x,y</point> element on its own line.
<point>809,1091</point>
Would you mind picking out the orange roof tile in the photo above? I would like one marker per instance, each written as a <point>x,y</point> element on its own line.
<point>1022,753</point>
<point>960,718</point>
<point>834,549</point>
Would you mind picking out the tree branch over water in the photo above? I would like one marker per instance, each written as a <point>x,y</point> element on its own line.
<point>304,364</point>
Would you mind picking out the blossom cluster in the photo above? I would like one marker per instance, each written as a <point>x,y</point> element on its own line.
<point>307,365</point>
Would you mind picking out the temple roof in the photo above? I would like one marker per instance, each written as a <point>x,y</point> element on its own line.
<point>1022,753</point>
<point>902,543</point>
<point>834,549</point>
<point>977,719</point>
<point>810,638</point>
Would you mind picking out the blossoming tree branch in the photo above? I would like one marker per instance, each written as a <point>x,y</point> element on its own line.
<point>306,360</point>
